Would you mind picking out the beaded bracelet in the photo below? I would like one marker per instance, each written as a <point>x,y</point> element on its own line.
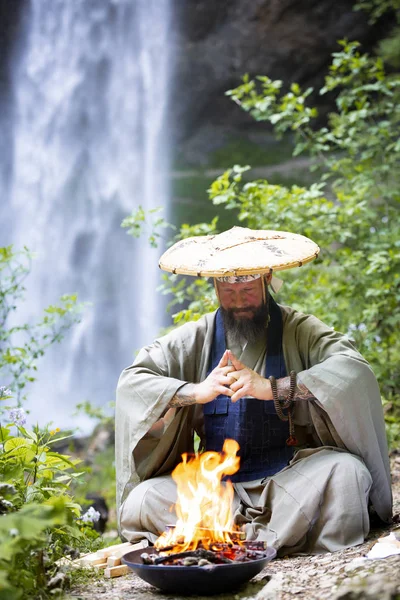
<point>288,404</point>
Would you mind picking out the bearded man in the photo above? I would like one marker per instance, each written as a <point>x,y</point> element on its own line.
<point>311,487</point>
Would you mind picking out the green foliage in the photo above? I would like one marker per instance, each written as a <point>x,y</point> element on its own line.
<point>21,345</point>
<point>378,8</point>
<point>101,414</point>
<point>388,48</point>
<point>196,295</point>
<point>139,220</point>
<point>187,231</point>
<point>22,543</point>
<point>29,464</point>
<point>40,519</point>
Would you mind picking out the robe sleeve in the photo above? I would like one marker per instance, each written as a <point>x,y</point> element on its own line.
<point>150,438</point>
<point>347,391</point>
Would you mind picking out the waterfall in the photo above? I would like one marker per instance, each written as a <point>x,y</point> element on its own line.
<point>88,146</point>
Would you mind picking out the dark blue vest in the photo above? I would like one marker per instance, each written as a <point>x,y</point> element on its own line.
<point>253,423</point>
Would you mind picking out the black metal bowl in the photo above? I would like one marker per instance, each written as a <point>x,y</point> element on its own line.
<point>203,581</point>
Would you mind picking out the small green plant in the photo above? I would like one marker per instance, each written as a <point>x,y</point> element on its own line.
<point>141,220</point>
<point>40,520</point>
<point>21,345</point>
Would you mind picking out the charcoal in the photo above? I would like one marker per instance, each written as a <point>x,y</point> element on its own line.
<point>148,559</point>
<point>190,561</point>
<point>198,553</point>
<point>255,545</point>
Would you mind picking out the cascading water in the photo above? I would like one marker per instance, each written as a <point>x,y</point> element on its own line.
<point>88,147</point>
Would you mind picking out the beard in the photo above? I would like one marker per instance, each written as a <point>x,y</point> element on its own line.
<point>247,328</point>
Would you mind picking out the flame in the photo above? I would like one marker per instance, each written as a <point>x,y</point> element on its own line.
<point>204,504</point>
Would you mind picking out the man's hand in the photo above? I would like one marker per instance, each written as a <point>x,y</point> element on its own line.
<point>247,382</point>
<point>217,382</point>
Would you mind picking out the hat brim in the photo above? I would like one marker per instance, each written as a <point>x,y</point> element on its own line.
<point>239,251</point>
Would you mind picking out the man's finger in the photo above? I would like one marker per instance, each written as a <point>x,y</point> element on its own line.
<point>237,395</point>
<point>228,377</point>
<point>224,359</point>
<point>224,390</point>
<point>235,361</point>
<point>235,386</point>
<point>228,369</point>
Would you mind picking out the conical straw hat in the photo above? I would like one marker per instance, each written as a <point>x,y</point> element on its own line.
<point>238,251</point>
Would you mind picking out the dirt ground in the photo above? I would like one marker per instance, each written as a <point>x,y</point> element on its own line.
<point>344,575</point>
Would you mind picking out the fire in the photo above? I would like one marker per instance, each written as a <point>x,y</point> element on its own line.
<point>204,504</point>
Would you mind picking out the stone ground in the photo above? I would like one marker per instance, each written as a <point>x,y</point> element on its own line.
<point>345,575</point>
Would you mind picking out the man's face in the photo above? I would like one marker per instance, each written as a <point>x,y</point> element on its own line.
<point>243,300</point>
<point>243,310</point>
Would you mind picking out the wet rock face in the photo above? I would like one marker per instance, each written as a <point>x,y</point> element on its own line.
<point>217,42</point>
<point>214,42</point>
<point>11,18</point>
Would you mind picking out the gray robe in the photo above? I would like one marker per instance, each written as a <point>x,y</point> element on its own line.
<point>347,412</point>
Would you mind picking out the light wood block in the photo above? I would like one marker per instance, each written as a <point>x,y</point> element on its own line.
<point>113,561</point>
<point>116,571</point>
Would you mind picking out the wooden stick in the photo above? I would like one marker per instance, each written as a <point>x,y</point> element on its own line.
<point>111,550</point>
<point>121,552</point>
<point>116,571</point>
<point>93,561</point>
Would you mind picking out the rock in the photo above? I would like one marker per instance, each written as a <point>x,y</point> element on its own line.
<point>58,581</point>
<point>273,589</point>
<point>356,563</point>
<point>216,43</point>
<point>363,588</point>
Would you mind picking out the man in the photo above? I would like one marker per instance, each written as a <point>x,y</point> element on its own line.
<point>218,376</point>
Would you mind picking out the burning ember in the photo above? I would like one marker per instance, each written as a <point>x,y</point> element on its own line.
<point>204,504</point>
<point>219,554</point>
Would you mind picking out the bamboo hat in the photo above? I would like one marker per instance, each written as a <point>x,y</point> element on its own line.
<point>237,252</point>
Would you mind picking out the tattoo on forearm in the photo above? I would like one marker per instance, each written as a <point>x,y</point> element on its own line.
<point>184,396</point>
<point>302,392</point>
